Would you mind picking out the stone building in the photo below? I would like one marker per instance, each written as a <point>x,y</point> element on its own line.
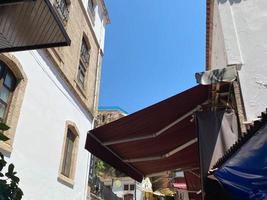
<point>49,96</point>
<point>108,114</point>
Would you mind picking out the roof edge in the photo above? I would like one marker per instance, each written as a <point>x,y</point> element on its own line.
<point>105,11</point>
<point>209,29</point>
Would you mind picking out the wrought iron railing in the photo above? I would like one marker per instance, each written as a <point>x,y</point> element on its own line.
<point>98,189</point>
<point>62,8</point>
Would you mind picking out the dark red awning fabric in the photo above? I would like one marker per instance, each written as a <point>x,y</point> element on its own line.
<point>193,183</point>
<point>159,138</point>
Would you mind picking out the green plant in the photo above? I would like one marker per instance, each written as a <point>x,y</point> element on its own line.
<point>102,169</point>
<point>9,189</point>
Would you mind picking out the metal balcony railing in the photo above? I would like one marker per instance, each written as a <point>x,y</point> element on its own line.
<point>62,8</point>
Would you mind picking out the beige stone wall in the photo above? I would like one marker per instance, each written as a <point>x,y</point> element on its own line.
<point>66,59</point>
<point>107,116</point>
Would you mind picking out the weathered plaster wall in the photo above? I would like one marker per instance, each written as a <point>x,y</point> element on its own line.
<point>38,141</point>
<point>244,25</point>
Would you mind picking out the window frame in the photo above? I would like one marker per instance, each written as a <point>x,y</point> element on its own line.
<point>3,73</point>
<point>83,64</point>
<point>81,71</point>
<point>91,10</point>
<point>91,6</point>
<point>132,187</point>
<point>15,100</point>
<point>126,187</point>
<point>68,180</point>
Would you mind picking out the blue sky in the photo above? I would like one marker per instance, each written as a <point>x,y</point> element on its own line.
<point>153,49</point>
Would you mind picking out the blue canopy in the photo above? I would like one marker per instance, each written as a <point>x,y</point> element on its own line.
<point>244,174</point>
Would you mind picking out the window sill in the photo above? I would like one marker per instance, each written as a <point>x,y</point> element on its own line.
<point>5,148</point>
<point>65,180</point>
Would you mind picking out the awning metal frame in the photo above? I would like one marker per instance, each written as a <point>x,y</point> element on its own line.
<point>167,155</point>
<point>158,133</point>
<point>180,119</point>
<point>113,153</point>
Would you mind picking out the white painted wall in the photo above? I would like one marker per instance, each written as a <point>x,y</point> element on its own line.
<point>244,25</point>
<point>218,53</point>
<point>46,107</point>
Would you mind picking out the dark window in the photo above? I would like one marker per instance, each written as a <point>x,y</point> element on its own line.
<point>84,62</point>
<point>68,153</point>
<point>8,84</point>
<point>85,55</point>
<point>62,7</point>
<point>131,187</point>
<point>126,187</point>
<point>81,74</point>
<point>91,5</point>
<point>103,118</point>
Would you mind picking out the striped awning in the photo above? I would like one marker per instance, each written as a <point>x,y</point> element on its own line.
<point>30,24</point>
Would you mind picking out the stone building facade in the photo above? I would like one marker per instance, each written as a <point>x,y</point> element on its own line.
<point>49,98</point>
<point>107,115</point>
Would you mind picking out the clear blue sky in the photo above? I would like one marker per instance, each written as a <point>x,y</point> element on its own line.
<point>153,49</point>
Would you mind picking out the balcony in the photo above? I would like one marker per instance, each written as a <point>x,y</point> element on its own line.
<point>62,8</point>
<point>30,24</point>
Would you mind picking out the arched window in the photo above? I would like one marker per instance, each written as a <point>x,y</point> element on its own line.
<point>8,83</point>
<point>91,6</point>
<point>69,154</point>
<point>13,82</point>
<point>84,63</point>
